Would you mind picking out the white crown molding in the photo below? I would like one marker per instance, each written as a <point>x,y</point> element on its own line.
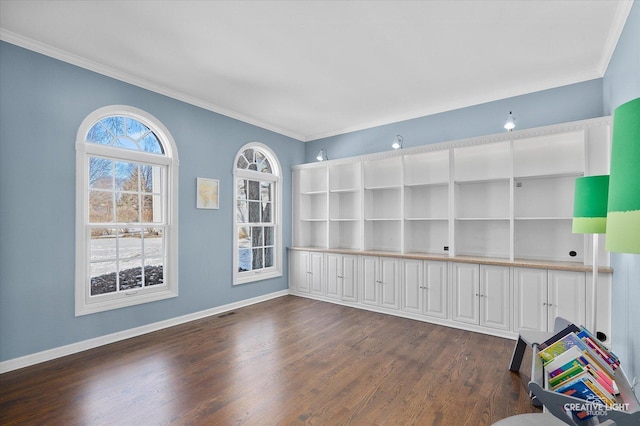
<point>87,64</point>
<point>619,20</point>
<point>450,105</point>
<point>50,354</point>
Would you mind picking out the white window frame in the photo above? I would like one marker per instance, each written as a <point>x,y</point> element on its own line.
<point>276,179</point>
<point>84,302</point>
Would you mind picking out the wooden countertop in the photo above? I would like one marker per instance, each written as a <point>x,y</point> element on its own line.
<point>521,263</point>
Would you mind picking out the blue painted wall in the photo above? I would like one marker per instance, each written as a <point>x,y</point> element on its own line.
<point>42,103</point>
<point>622,84</point>
<point>568,103</point>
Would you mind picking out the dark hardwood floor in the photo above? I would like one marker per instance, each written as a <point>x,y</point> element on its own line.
<point>285,361</point>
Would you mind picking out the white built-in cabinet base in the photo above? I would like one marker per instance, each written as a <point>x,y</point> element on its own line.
<point>498,300</point>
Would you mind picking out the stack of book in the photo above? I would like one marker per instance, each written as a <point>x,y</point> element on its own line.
<point>578,365</point>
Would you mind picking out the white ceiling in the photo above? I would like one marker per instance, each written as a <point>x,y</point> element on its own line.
<point>310,69</point>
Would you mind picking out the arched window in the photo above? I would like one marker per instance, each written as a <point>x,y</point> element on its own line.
<point>258,230</point>
<point>126,210</point>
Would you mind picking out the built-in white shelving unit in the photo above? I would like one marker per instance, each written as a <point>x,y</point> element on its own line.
<point>473,234</point>
<point>506,196</point>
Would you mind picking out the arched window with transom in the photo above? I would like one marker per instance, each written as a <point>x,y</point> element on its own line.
<point>126,210</point>
<point>258,205</point>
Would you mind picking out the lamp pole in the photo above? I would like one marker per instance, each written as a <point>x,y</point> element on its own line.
<point>594,289</point>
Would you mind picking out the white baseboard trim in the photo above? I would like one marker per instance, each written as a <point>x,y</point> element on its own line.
<point>50,354</point>
<point>506,334</point>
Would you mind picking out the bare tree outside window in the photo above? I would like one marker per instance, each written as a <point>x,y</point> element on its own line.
<point>127,247</point>
<point>255,185</point>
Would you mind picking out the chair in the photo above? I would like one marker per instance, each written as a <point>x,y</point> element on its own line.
<point>531,419</point>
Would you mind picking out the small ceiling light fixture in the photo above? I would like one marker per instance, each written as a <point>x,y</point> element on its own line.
<point>511,122</point>
<point>397,142</point>
<point>322,155</point>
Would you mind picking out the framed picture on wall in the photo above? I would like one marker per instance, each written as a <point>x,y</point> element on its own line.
<point>207,193</point>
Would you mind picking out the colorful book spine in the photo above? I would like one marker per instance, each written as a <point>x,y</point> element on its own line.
<point>562,345</point>
<point>613,356</point>
<point>575,370</point>
<point>602,394</point>
<point>579,389</point>
<point>571,328</point>
<point>567,366</point>
<point>605,356</point>
<point>604,380</point>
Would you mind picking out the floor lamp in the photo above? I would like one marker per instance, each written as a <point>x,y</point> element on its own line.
<point>623,217</point>
<point>590,217</point>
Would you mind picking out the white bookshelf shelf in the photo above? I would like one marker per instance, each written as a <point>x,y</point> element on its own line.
<point>573,174</point>
<point>432,184</point>
<point>345,191</point>
<point>482,219</point>
<point>432,219</point>
<point>545,218</point>
<point>382,187</point>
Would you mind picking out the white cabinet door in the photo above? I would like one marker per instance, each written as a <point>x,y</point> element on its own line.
<point>530,299</point>
<point>481,295</point>
<point>424,287</point>
<point>436,284</point>
<point>495,300</point>
<point>370,280</point>
<point>389,283</point>
<point>566,297</point>
<point>380,281</point>
<point>349,278</point>
<point>412,286</point>
<point>341,276</point>
<point>300,271</point>
<point>334,275</point>
<point>465,292</point>
<point>315,273</point>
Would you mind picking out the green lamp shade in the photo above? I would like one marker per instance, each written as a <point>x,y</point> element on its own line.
<point>590,205</point>
<point>623,217</point>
